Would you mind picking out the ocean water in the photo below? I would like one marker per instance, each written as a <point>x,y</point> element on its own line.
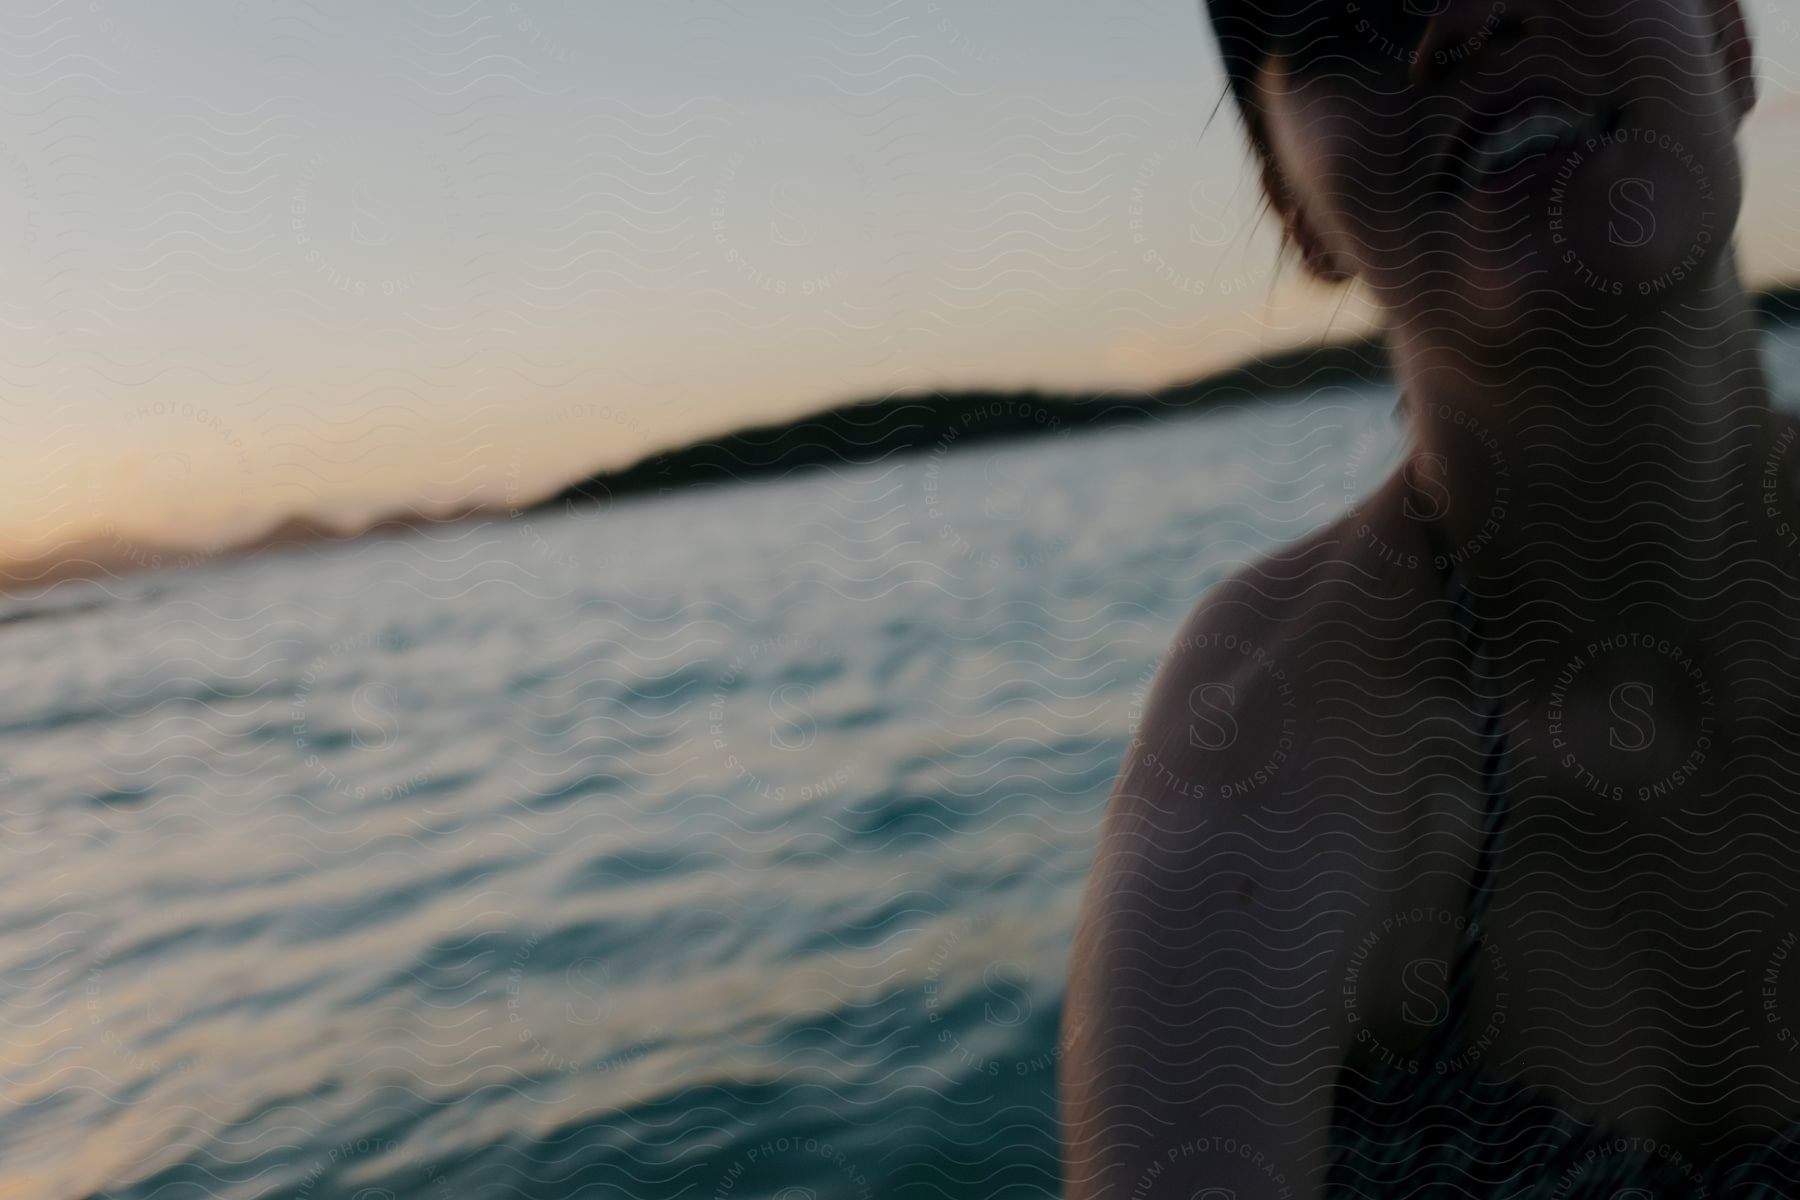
<point>722,844</point>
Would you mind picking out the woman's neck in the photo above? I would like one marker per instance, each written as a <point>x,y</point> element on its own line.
<point>1598,467</point>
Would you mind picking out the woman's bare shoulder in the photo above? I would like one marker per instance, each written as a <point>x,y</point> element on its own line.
<point>1307,615</point>
<point>1247,729</point>
<point>1238,860</point>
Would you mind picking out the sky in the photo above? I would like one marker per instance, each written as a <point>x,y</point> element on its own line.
<point>343,258</point>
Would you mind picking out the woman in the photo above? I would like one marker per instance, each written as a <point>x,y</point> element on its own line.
<point>1455,854</point>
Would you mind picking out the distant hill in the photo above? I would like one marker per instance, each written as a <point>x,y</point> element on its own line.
<point>1779,304</point>
<point>912,421</point>
<point>112,555</point>
<point>872,430</point>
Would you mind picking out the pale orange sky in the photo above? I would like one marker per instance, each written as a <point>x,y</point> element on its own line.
<point>344,258</point>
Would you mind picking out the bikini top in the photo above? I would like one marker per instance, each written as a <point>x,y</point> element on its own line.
<point>1497,794</point>
<point>1448,1128</point>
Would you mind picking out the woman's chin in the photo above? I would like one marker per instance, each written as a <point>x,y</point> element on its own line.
<point>1621,227</point>
<point>1556,287</point>
<point>1673,264</point>
<point>1617,227</point>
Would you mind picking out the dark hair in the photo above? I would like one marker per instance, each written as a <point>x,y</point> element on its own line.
<point>1242,44</point>
<point>1244,29</point>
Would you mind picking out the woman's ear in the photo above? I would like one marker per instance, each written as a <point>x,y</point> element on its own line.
<point>1321,262</point>
<point>1733,35</point>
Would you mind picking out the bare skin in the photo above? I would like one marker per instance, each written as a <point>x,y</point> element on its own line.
<point>1296,823</point>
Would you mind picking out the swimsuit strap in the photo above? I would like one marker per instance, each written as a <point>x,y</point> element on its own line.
<point>1491,738</point>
